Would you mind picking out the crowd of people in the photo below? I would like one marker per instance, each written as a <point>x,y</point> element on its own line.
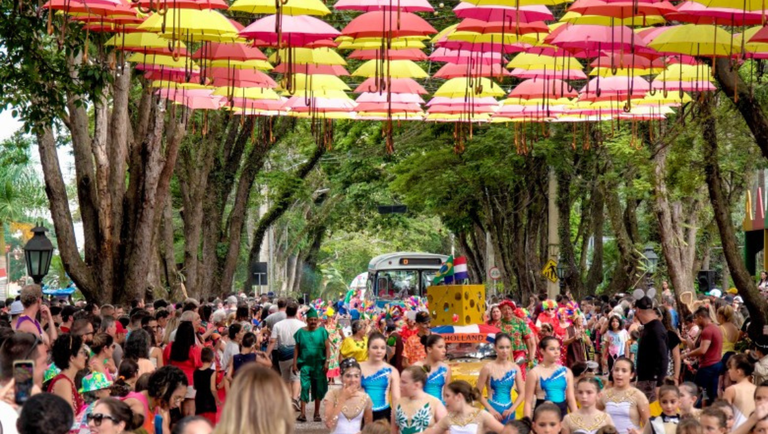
<point>262,365</point>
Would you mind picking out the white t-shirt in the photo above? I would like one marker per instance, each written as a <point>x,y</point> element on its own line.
<point>284,330</point>
<point>8,418</point>
<point>230,351</point>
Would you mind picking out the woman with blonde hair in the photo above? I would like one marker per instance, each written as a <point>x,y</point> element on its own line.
<point>258,403</point>
<point>173,324</point>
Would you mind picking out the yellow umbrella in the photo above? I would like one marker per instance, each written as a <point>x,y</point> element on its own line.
<point>459,117</point>
<point>679,72</point>
<point>695,40</point>
<point>312,56</point>
<point>317,82</point>
<point>392,68</point>
<point>162,60</point>
<point>329,94</point>
<point>658,98</point>
<point>751,48</point>
<point>197,25</point>
<point>443,33</point>
<point>599,20</point>
<point>487,38</point>
<point>463,86</point>
<point>537,61</point>
<point>261,65</point>
<point>290,7</point>
<point>139,40</point>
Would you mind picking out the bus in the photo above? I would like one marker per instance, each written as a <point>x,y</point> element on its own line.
<point>397,276</point>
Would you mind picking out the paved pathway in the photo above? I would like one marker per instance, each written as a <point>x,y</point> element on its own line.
<point>310,427</point>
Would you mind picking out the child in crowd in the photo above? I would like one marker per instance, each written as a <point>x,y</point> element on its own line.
<point>727,410</point>
<point>741,394</point>
<point>689,425</point>
<point>689,394</point>
<point>713,421</point>
<point>247,354</point>
<point>634,338</point>
<point>547,419</point>
<point>522,426</point>
<point>666,422</point>
<point>587,418</point>
<point>206,401</point>
<point>759,356</point>
<point>381,426</point>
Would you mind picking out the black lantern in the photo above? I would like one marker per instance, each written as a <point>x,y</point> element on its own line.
<point>38,253</point>
<point>651,259</point>
<point>561,272</point>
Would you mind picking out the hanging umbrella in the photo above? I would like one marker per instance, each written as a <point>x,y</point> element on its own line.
<point>377,5</point>
<point>752,50</point>
<point>230,51</point>
<point>500,13</point>
<point>164,5</point>
<point>695,40</point>
<point>595,39</point>
<point>463,57</point>
<point>622,9</point>
<point>571,17</point>
<point>287,7</point>
<point>452,70</point>
<point>297,31</point>
<point>403,54</point>
<point>388,24</point>
<point>397,85</point>
<point>466,87</point>
<point>190,24</point>
<point>393,69</point>
<point>305,68</point>
<point>507,26</point>
<point>614,88</point>
<point>317,56</point>
<point>543,89</point>
<point>563,74</point>
<point>696,13</point>
<point>143,42</point>
<point>375,97</point>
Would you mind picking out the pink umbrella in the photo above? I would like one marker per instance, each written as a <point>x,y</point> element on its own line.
<point>594,39</point>
<point>302,104</point>
<point>395,107</point>
<point>614,88</point>
<point>234,51</point>
<point>259,104</point>
<point>697,13</point>
<point>564,74</point>
<point>453,70</point>
<point>369,97</point>
<point>501,13</point>
<point>466,108</point>
<point>398,85</point>
<point>478,46</point>
<point>388,24</point>
<point>463,57</point>
<point>507,26</point>
<point>179,75</point>
<point>297,30</point>
<point>235,76</point>
<point>443,100</point>
<point>377,5</point>
<point>622,9</point>
<point>538,88</point>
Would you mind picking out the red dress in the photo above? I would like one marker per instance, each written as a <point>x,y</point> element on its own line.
<point>77,399</point>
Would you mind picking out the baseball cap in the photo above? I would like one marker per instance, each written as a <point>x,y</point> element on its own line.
<point>738,299</point>
<point>644,303</point>
<point>17,308</point>
<point>715,293</point>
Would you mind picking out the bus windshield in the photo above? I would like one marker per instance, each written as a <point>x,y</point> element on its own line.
<point>397,284</point>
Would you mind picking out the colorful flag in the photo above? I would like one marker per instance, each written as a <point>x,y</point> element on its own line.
<point>460,274</point>
<point>445,272</point>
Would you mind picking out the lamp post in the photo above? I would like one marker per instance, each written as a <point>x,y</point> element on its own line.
<point>650,260</point>
<point>561,272</point>
<point>37,253</point>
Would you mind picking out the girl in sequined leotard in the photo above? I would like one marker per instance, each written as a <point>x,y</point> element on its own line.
<point>549,381</point>
<point>379,378</point>
<point>463,417</point>
<point>438,373</point>
<point>500,377</point>
<point>416,410</point>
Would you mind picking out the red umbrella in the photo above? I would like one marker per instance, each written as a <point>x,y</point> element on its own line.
<point>397,85</point>
<point>405,54</point>
<point>507,26</point>
<point>537,88</point>
<point>297,30</point>
<point>308,69</point>
<point>452,70</point>
<point>760,36</point>
<point>501,13</point>
<point>622,9</point>
<point>388,24</point>
<point>234,51</point>
<point>378,5</point>
<point>323,43</point>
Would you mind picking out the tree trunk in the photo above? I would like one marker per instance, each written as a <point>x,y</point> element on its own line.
<point>755,303</point>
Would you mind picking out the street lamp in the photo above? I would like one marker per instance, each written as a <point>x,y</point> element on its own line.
<point>37,253</point>
<point>650,260</point>
<point>561,272</point>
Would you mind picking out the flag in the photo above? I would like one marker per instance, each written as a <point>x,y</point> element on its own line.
<point>445,272</point>
<point>460,274</point>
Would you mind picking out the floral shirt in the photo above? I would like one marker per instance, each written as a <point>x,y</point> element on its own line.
<point>518,330</point>
<point>413,349</point>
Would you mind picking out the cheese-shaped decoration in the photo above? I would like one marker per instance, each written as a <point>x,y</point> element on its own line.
<point>466,301</point>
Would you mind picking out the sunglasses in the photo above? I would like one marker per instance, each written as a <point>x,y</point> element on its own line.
<point>98,418</point>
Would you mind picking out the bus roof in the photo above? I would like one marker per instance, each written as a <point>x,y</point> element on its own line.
<point>407,260</point>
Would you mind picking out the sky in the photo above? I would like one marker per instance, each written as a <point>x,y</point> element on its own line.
<point>8,125</point>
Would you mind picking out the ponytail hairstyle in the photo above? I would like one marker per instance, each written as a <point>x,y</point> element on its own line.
<point>470,394</point>
<point>129,369</point>
<point>430,341</point>
<point>418,373</point>
<point>547,407</point>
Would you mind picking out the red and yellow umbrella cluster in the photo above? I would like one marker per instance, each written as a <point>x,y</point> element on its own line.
<point>501,61</point>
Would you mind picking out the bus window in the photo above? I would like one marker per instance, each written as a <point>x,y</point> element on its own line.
<point>397,284</point>
<point>427,276</point>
